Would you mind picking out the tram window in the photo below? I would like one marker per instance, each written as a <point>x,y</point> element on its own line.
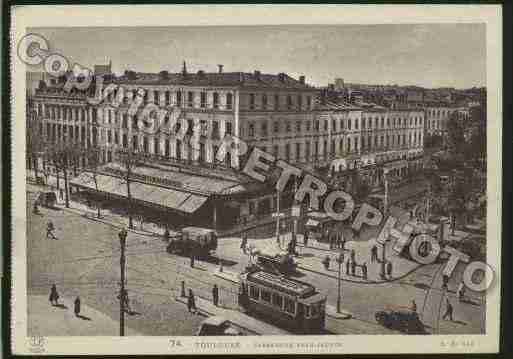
<point>253,292</point>
<point>315,309</point>
<point>277,300</point>
<point>290,306</point>
<point>307,311</point>
<point>266,296</point>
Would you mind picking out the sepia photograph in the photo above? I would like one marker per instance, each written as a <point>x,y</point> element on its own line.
<point>320,181</point>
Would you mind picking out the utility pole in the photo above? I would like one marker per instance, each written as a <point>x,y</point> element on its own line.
<point>122,295</point>
<point>340,260</point>
<point>278,216</point>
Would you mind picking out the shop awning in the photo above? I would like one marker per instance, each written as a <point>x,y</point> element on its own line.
<point>165,197</point>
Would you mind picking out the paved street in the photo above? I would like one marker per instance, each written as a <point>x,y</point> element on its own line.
<point>85,261</point>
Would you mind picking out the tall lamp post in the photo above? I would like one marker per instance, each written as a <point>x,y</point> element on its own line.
<point>122,295</point>
<point>340,260</point>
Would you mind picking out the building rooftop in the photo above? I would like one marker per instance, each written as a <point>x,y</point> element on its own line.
<point>229,79</point>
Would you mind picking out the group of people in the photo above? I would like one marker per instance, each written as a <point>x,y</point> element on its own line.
<point>54,300</point>
<point>191,299</point>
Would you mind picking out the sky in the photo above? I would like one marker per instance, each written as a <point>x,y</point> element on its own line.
<point>427,55</point>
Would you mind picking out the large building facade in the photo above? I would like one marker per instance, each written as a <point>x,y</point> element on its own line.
<point>276,113</point>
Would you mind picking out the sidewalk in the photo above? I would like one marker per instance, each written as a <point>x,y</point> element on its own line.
<point>310,259</point>
<point>107,217</point>
<point>236,317</point>
<point>46,320</point>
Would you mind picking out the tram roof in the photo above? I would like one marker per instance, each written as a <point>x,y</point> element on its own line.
<point>282,284</point>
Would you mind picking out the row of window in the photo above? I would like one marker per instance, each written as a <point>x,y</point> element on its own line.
<point>277,104</point>
<point>67,113</point>
<point>439,112</point>
<point>351,145</point>
<point>275,299</point>
<point>396,122</point>
<point>343,124</point>
<point>182,99</point>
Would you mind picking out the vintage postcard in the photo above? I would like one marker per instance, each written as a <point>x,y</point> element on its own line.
<point>256,179</point>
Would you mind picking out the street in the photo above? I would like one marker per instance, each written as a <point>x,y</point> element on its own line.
<point>84,261</point>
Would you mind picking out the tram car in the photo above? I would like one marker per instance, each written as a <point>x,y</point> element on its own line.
<point>287,303</point>
<point>193,240</point>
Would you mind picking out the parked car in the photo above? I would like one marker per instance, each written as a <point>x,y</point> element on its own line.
<point>47,199</point>
<point>217,326</point>
<point>406,321</point>
<point>200,241</point>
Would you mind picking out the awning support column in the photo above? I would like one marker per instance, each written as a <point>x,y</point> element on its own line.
<point>214,215</point>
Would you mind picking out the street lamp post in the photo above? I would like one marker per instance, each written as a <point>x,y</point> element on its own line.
<point>122,239</point>
<point>340,260</point>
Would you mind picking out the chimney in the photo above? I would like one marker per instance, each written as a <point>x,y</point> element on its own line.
<point>220,68</point>
<point>302,79</point>
<point>257,75</point>
<point>184,69</point>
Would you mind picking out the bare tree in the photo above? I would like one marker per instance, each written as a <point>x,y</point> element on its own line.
<point>61,155</point>
<point>129,159</point>
<point>35,147</point>
<point>93,165</point>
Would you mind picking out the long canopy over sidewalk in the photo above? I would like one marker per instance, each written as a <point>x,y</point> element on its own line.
<point>165,197</point>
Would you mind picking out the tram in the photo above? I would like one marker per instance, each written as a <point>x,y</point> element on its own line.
<point>285,302</point>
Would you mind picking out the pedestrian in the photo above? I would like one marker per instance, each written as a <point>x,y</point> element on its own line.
<point>461,292</point>
<point>244,243</point>
<point>191,302</point>
<point>61,194</point>
<point>348,263</point>
<point>326,262</point>
<point>389,269</point>
<point>374,254</point>
<point>54,295</point>
<point>305,239</point>
<point>445,282</point>
<point>166,234</point>
<point>353,267</point>
<point>215,295</point>
<point>49,230</point>
<point>353,256</point>
<point>448,310</point>
<point>413,306</point>
<point>364,270</point>
<point>77,307</point>
<point>192,259</point>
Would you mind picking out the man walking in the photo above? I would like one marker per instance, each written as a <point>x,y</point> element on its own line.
<point>389,269</point>
<point>448,310</point>
<point>374,254</point>
<point>244,243</point>
<point>364,270</point>
<point>49,230</point>
<point>192,258</point>
<point>348,263</point>
<point>77,307</point>
<point>54,296</point>
<point>305,239</point>
<point>215,295</point>
<point>191,303</point>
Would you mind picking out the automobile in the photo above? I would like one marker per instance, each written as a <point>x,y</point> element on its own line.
<point>406,321</point>
<point>200,241</point>
<point>217,326</point>
<point>46,199</point>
